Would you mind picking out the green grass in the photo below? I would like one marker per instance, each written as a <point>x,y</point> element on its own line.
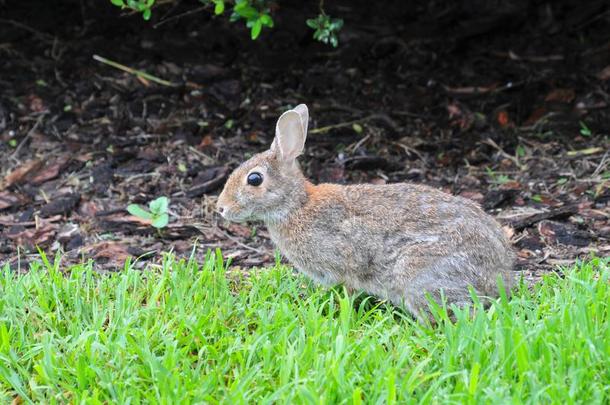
<point>193,333</point>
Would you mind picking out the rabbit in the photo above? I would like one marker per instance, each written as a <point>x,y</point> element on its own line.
<point>399,242</point>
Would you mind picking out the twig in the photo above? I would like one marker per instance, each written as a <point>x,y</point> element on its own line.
<point>601,165</point>
<point>132,71</point>
<point>43,35</point>
<point>561,212</point>
<point>158,3</point>
<point>205,158</point>
<point>327,128</point>
<point>355,146</point>
<point>594,51</point>
<point>584,152</point>
<point>475,90</point>
<point>494,145</point>
<point>408,150</point>
<point>28,135</point>
<point>590,21</point>
<point>178,16</point>
<point>139,176</point>
<point>36,222</point>
<point>536,59</point>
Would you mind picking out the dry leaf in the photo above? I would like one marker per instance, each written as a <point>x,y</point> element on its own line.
<point>36,103</point>
<point>18,175</point>
<point>50,171</point>
<point>115,252</point>
<point>206,141</point>
<point>8,199</point>
<point>503,118</point>
<point>473,195</point>
<point>561,95</point>
<point>39,236</point>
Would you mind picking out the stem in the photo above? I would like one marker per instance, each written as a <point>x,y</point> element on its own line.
<point>132,71</point>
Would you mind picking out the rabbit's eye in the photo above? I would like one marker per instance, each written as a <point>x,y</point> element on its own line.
<point>255,179</point>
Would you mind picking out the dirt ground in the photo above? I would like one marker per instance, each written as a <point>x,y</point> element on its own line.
<point>506,103</point>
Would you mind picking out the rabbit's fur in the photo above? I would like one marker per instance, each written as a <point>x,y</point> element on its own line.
<point>397,241</point>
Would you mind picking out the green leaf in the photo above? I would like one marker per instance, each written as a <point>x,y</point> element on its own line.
<point>118,3</point>
<point>584,129</point>
<point>312,23</point>
<point>161,221</point>
<point>266,20</point>
<point>357,128</point>
<point>137,211</point>
<point>159,205</point>
<point>234,17</point>
<point>219,7</point>
<point>146,14</point>
<point>246,11</point>
<point>256,29</point>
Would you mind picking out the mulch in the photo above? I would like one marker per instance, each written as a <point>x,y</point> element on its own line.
<point>505,104</point>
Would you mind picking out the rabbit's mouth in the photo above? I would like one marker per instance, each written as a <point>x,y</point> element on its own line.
<point>232,215</point>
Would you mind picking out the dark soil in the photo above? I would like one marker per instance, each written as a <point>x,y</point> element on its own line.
<point>506,103</point>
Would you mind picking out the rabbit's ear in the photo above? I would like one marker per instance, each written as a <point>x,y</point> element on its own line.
<point>290,133</point>
<point>303,112</point>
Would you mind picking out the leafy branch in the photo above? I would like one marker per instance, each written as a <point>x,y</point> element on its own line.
<point>255,13</point>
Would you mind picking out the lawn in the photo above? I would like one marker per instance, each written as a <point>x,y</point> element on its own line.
<point>191,332</point>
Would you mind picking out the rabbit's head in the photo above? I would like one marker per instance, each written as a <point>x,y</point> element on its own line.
<point>269,185</point>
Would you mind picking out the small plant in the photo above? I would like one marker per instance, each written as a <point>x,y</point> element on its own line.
<point>520,151</point>
<point>326,28</point>
<point>497,178</point>
<point>157,214</point>
<point>585,130</point>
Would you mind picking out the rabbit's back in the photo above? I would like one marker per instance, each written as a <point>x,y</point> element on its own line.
<point>391,239</point>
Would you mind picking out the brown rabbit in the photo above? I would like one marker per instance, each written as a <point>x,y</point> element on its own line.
<point>397,242</point>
